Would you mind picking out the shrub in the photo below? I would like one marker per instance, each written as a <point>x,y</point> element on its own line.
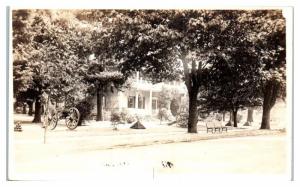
<point>115,120</point>
<point>115,117</point>
<point>130,119</point>
<point>174,107</point>
<point>126,117</point>
<point>164,114</point>
<point>219,117</point>
<point>123,115</point>
<point>85,108</point>
<point>182,119</point>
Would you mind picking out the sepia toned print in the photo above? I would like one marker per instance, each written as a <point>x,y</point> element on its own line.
<point>152,92</point>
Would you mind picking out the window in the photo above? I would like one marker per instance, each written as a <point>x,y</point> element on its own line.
<point>154,104</point>
<point>141,102</point>
<point>131,102</point>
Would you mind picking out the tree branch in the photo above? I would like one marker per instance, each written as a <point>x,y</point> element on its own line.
<point>199,72</point>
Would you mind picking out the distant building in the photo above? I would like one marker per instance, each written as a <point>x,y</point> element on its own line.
<point>140,99</point>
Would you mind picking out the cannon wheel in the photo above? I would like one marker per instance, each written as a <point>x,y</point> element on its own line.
<point>72,119</point>
<point>50,121</point>
<point>53,122</point>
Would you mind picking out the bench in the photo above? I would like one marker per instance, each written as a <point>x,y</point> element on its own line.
<point>214,126</point>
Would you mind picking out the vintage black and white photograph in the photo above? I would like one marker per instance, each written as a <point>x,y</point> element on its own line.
<point>152,92</point>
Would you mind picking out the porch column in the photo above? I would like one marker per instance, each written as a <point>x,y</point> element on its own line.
<point>150,102</point>
<point>136,99</point>
<point>137,76</point>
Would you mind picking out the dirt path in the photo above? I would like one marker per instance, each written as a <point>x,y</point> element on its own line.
<point>248,155</point>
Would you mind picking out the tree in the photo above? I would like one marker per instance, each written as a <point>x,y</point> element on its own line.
<point>166,44</point>
<point>163,45</point>
<point>52,55</point>
<point>55,55</point>
<point>27,97</point>
<point>102,81</point>
<point>231,84</point>
<point>270,37</point>
<point>101,74</point>
<point>22,20</point>
<point>274,67</point>
<point>159,42</point>
<point>20,37</point>
<point>225,61</point>
<point>164,99</point>
<point>251,43</point>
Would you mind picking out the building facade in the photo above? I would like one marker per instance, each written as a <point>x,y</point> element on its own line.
<point>141,98</point>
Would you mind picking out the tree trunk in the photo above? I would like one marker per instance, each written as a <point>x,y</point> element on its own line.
<point>30,105</point>
<point>234,112</point>
<point>224,116</point>
<point>193,113</point>
<point>99,106</point>
<point>24,108</point>
<point>229,123</point>
<point>231,116</point>
<point>270,93</point>
<point>37,111</point>
<point>265,124</point>
<point>249,117</point>
<point>192,79</point>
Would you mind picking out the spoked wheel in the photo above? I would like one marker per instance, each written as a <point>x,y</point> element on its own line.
<point>50,121</point>
<point>53,122</point>
<point>72,119</point>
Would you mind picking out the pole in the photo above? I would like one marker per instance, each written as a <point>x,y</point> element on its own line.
<point>46,119</point>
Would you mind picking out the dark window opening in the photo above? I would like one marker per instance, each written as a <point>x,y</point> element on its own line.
<point>131,102</point>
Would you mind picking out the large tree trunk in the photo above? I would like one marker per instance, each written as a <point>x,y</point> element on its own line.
<point>229,123</point>
<point>192,79</point>
<point>249,117</point>
<point>270,93</point>
<point>30,105</point>
<point>37,111</point>
<point>193,113</point>
<point>265,124</point>
<point>99,105</point>
<point>234,112</point>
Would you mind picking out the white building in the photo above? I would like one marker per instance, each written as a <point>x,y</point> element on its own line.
<point>140,99</point>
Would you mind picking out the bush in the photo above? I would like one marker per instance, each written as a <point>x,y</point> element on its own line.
<point>123,116</point>
<point>130,119</point>
<point>126,117</point>
<point>85,108</point>
<point>174,107</point>
<point>182,119</point>
<point>164,114</point>
<point>115,117</point>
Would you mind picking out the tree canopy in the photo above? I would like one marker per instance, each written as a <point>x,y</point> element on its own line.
<point>231,57</point>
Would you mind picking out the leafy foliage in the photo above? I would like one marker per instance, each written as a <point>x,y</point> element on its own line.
<point>229,58</point>
<point>85,108</point>
<point>174,106</point>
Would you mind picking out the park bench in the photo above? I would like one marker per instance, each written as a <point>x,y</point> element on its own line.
<point>214,126</point>
<point>223,127</point>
